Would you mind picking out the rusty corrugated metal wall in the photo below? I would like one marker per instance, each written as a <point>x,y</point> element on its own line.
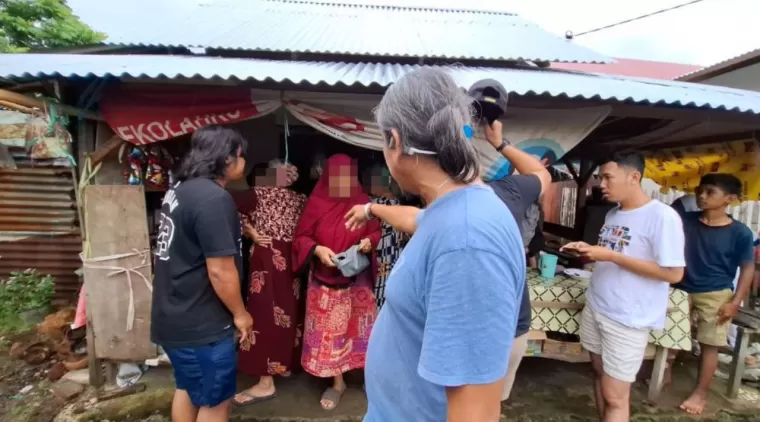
<point>39,225</point>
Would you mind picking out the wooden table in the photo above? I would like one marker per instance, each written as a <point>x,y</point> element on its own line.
<point>558,303</point>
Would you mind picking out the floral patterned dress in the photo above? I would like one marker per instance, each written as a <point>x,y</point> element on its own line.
<point>388,251</point>
<point>274,292</point>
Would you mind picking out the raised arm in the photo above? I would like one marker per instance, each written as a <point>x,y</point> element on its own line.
<point>401,217</point>
<point>523,162</point>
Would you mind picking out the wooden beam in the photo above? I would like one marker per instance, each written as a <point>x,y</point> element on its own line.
<point>570,168</point>
<point>105,150</point>
<point>14,106</point>
<point>27,101</point>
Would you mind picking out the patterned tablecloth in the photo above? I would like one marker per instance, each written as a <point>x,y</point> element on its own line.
<point>570,290</point>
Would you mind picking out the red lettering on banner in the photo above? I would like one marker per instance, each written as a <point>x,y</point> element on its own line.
<point>186,126</point>
<point>172,134</point>
<point>143,115</point>
<point>157,131</point>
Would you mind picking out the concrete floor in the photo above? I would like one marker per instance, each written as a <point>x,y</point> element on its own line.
<point>545,390</point>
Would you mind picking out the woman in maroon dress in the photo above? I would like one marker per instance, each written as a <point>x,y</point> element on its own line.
<point>269,213</point>
<point>340,311</point>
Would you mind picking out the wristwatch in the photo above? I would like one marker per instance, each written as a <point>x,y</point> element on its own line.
<point>504,143</point>
<point>367,212</point>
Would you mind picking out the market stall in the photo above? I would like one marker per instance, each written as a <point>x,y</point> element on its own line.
<point>558,303</point>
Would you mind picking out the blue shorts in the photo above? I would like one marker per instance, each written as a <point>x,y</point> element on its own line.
<point>206,372</point>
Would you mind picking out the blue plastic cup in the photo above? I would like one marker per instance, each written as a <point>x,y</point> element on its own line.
<point>548,265</point>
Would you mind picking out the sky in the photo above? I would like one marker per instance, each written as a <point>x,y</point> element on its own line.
<point>700,34</point>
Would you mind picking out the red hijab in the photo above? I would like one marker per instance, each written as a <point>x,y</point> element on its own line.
<point>323,222</point>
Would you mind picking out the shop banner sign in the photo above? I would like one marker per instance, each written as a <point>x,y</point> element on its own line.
<point>144,115</point>
<point>682,168</point>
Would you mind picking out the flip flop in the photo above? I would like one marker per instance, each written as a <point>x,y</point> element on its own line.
<point>253,399</point>
<point>332,395</point>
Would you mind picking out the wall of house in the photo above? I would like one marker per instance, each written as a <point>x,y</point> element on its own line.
<point>744,78</point>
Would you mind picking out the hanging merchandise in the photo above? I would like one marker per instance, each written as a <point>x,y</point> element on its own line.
<point>46,135</point>
<point>158,164</point>
<point>136,163</point>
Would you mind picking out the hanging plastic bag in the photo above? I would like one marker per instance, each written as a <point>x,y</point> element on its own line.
<point>46,135</point>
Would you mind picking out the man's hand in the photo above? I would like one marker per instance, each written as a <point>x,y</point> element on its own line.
<point>365,246</point>
<point>573,246</point>
<point>727,312</point>
<point>594,253</point>
<point>325,255</point>
<point>356,217</point>
<point>493,133</point>
<point>244,325</point>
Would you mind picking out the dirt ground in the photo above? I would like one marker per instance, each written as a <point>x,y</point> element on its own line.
<point>24,395</point>
<point>547,391</point>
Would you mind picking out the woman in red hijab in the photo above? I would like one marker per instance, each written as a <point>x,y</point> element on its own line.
<point>339,311</point>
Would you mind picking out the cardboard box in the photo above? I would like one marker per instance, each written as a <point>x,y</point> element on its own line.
<point>554,347</point>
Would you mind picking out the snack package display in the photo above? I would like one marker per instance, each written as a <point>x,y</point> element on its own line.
<point>135,169</point>
<point>157,170</point>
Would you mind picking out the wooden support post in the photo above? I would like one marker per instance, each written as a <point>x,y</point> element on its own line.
<point>586,170</point>
<point>737,362</point>
<point>94,364</point>
<point>658,374</point>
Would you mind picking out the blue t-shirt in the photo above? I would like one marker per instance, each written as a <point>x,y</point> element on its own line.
<point>713,254</point>
<point>451,306</point>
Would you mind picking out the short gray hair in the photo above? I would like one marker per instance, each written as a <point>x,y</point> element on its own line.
<point>430,113</point>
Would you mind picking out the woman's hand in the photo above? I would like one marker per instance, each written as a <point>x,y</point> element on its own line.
<point>325,255</point>
<point>356,217</point>
<point>365,246</point>
<point>258,239</point>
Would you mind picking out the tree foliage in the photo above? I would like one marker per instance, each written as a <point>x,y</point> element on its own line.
<point>39,24</point>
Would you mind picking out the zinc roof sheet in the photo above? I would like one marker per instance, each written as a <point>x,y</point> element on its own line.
<point>523,81</point>
<point>329,28</point>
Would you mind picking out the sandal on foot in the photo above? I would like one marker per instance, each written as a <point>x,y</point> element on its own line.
<point>251,399</point>
<point>332,395</point>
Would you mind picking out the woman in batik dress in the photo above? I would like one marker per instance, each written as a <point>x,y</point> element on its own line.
<point>340,311</point>
<point>391,240</point>
<point>269,213</point>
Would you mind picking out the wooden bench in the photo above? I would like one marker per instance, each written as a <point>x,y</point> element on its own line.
<point>747,323</point>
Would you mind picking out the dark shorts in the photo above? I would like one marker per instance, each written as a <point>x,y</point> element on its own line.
<point>206,372</point>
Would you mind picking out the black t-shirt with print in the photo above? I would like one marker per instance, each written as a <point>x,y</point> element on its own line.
<point>518,192</point>
<point>199,220</point>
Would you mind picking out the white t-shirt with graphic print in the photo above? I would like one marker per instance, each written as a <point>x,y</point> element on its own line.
<point>652,232</point>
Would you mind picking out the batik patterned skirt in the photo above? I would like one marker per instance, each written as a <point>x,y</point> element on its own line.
<point>337,327</point>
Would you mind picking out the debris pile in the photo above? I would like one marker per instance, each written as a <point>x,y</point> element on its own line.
<point>56,349</point>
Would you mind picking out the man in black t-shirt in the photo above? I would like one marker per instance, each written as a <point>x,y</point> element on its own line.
<point>518,192</point>
<point>197,303</point>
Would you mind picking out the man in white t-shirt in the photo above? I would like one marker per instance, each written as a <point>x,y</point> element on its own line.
<point>640,253</point>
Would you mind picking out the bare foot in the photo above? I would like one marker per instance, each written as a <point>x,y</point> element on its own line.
<point>258,391</point>
<point>695,404</point>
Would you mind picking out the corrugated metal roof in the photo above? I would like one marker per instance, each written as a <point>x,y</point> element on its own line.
<point>633,67</point>
<point>556,83</point>
<point>737,62</point>
<point>39,226</point>
<point>330,28</point>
